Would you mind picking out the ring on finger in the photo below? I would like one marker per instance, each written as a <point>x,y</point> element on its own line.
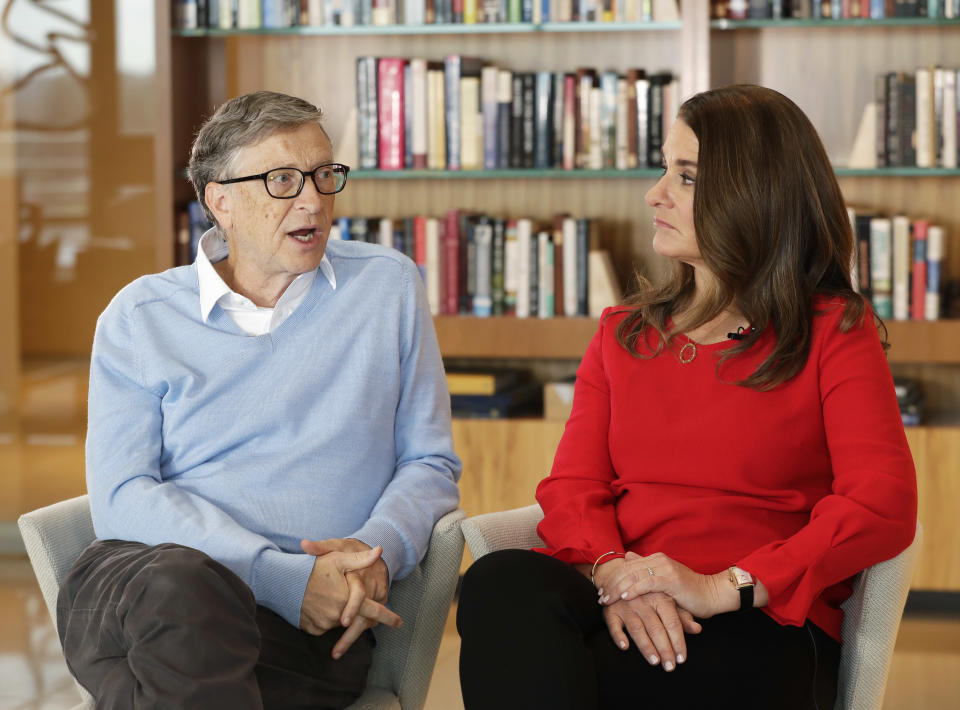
<point>650,570</point>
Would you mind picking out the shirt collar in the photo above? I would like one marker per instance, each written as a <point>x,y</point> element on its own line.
<point>213,248</point>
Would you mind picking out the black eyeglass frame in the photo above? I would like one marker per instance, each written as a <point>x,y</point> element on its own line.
<point>337,167</point>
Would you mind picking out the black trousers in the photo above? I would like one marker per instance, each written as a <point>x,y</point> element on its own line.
<point>168,627</point>
<point>533,636</point>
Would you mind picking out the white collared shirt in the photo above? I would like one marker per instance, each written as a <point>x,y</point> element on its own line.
<point>249,317</point>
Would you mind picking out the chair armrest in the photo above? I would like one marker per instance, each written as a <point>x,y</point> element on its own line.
<point>508,529</point>
<point>54,537</point>
<point>871,620</point>
<point>405,657</point>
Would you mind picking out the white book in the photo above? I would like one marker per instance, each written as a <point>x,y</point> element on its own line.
<point>385,233</point>
<point>545,306</point>
<point>901,267</point>
<point>315,13</point>
<point>602,279</point>
<point>524,235</point>
<point>418,86</point>
<point>482,297</point>
<point>926,137</point>
<point>622,151</point>
<point>249,15</point>
<point>413,12</point>
<point>948,130</point>
<point>595,147</point>
<point>569,228</point>
<point>434,265</point>
<point>936,243</point>
<point>471,124</point>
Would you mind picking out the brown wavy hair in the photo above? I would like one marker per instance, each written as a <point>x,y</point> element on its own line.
<point>771,226</point>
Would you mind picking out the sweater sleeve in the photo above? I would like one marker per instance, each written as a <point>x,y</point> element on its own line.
<point>424,483</point>
<point>580,522</point>
<point>870,514</point>
<point>129,499</point>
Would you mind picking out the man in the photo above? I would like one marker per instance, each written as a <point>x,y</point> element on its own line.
<point>268,445</point>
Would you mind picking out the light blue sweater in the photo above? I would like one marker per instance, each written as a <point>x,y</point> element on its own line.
<point>336,424</point>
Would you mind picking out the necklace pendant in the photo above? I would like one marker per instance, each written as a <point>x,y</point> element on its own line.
<point>687,353</point>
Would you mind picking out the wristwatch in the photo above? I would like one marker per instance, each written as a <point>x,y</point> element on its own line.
<point>743,582</point>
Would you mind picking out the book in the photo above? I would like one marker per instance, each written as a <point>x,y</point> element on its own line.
<point>484,381</point>
<point>524,268</point>
<point>436,117</point>
<point>390,113</point>
<point>604,289</point>
<point>451,87</point>
<point>524,400</point>
<point>901,267</point>
<point>936,242</point>
<point>419,111</point>
<point>367,134</point>
<point>471,116</point>
<point>918,284</point>
<point>881,266</point>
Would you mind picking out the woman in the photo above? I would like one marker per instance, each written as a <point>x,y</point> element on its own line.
<point>734,455</point>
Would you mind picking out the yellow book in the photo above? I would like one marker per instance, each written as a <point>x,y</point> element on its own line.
<point>481,382</point>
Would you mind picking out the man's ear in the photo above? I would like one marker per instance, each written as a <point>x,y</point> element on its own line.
<point>218,201</point>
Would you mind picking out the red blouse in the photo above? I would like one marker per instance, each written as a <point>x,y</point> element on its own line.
<point>803,485</point>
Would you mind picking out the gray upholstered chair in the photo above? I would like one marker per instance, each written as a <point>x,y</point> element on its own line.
<point>871,616</point>
<point>404,658</point>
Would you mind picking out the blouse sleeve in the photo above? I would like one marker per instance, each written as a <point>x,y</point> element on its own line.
<point>580,521</point>
<point>870,514</point>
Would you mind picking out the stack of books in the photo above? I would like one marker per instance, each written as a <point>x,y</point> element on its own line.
<point>916,118</point>
<point>480,265</point>
<point>832,9</point>
<point>898,265</point>
<point>910,400</point>
<point>274,14</point>
<point>494,394</point>
<point>465,113</point>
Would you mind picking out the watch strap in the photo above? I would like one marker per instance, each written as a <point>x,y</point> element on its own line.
<point>746,597</point>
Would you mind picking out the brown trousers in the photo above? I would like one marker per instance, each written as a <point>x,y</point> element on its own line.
<point>168,627</point>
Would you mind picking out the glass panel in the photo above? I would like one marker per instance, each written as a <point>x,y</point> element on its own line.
<point>79,108</point>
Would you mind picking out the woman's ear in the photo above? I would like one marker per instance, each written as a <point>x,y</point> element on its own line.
<point>217,197</point>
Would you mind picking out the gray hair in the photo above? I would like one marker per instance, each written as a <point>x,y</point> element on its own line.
<point>238,123</point>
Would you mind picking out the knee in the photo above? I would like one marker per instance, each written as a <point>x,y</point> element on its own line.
<point>178,572</point>
<point>503,582</point>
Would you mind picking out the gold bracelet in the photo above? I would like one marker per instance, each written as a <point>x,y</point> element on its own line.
<point>594,570</point>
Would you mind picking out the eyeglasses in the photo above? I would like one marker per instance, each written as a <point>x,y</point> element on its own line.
<point>287,183</point>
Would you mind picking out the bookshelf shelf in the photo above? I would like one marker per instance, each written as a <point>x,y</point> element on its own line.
<point>886,22</point>
<point>513,173</point>
<point>934,342</point>
<point>441,29</point>
<point>501,337</point>
<point>898,172</point>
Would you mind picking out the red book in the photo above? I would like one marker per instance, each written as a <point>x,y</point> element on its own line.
<point>918,273</point>
<point>390,112</point>
<point>420,242</point>
<point>451,259</point>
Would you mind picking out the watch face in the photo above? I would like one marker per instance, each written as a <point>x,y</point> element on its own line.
<point>741,578</point>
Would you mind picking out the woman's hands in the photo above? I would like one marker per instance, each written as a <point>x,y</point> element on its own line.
<point>655,623</point>
<point>635,576</point>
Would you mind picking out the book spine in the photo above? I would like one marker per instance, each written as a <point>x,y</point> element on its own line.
<point>545,308</point>
<point>880,98</point>
<point>918,285</point>
<point>451,263</point>
<point>557,241</point>
<point>595,147</point>
<point>862,234</point>
<point>511,264</point>
<point>608,119</point>
<point>483,249</point>
<point>516,122</point>
<point>923,112</point>
<point>390,113</point>
<point>419,111</point>
<point>583,252</point>
<point>524,237</point>
<point>533,282</point>
<point>901,267</point>
<point>471,124</point>
<point>569,122</point>
<point>935,254</point>
<point>951,117</point>
<point>497,267</point>
<point>655,121</point>
<point>528,98</point>
<point>452,112</point>
<point>908,119</point>
<point>488,89</point>
<point>881,266</point>
<point>419,229</point>
<point>557,106</point>
<point>436,119</point>
<point>571,267</point>
<point>894,154</point>
<point>504,105</point>
<point>542,138</point>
